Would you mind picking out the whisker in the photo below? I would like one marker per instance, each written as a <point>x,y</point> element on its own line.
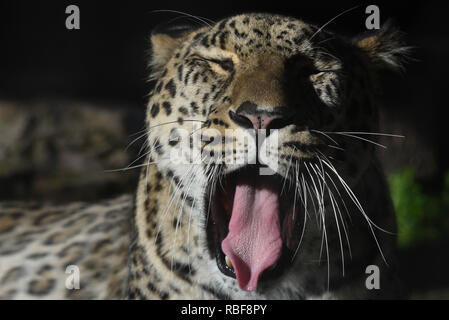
<point>309,189</point>
<point>360,138</point>
<point>138,132</point>
<point>132,168</point>
<point>135,140</point>
<point>198,18</point>
<point>334,147</point>
<point>319,206</point>
<point>172,122</point>
<point>338,229</point>
<point>304,201</point>
<point>140,157</point>
<point>372,134</point>
<point>341,198</point>
<point>343,225</point>
<point>357,203</point>
<point>326,135</point>
<point>331,20</point>
<point>288,169</point>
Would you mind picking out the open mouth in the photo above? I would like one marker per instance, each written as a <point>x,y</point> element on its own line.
<point>254,226</point>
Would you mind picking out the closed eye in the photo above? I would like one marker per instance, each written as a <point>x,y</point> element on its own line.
<point>225,64</point>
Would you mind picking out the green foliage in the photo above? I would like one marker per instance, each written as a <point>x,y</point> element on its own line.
<point>422,218</point>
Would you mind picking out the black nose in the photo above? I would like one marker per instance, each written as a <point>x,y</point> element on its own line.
<point>250,116</point>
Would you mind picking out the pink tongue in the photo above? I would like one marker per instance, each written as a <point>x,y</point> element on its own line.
<point>254,241</point>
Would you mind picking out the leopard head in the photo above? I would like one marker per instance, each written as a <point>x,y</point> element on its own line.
<point>251,118</point>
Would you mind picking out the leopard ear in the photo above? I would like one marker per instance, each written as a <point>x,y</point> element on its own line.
<point>385,47</point>
<point>164,42</point>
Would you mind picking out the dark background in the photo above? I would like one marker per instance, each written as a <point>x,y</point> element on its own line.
<point>106,63</point>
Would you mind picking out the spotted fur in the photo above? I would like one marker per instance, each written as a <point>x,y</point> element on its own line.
<point>320,81</point>
<point>38,243</point>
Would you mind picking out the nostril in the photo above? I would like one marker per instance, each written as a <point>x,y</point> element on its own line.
<point>241,120</point>
<point>277,123</point>
<point>259,120</point>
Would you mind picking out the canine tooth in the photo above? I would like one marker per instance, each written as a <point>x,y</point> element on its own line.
<point>228,262</point>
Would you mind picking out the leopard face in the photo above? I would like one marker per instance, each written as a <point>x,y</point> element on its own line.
<point>252,151</point>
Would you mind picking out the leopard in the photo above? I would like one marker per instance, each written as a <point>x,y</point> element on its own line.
<point>259,177</point>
